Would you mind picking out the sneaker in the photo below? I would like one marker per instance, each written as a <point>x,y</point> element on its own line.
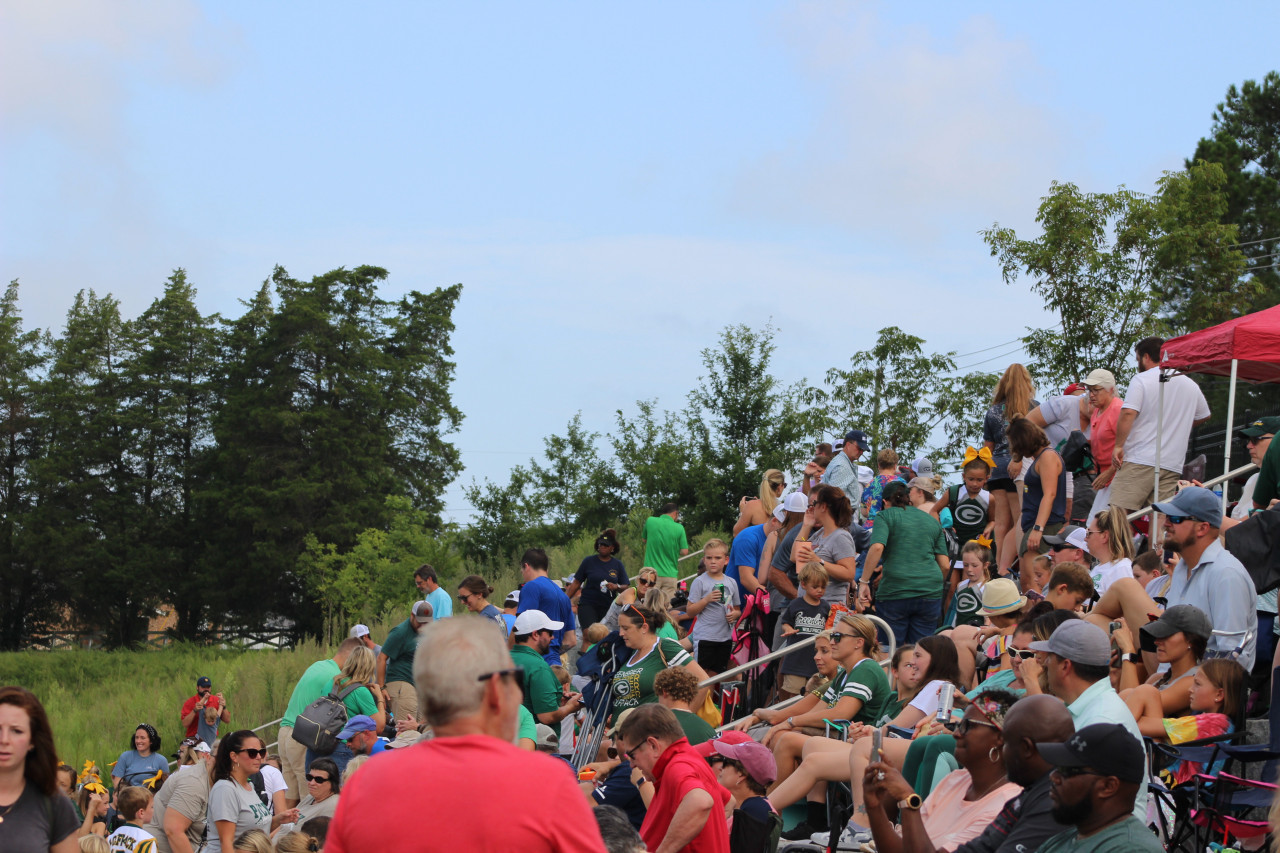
<point>851,838</point>
<point>820,839</point>
<point>800,832</point>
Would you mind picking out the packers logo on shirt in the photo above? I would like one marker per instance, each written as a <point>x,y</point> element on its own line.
<point>969,514</point>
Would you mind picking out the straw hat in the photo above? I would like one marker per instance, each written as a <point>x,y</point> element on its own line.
<point>1001,596</point>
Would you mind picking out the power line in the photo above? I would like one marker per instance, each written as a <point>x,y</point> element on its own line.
<point>1255,242</point>
<point>988,349</point>
<point>995,357</point>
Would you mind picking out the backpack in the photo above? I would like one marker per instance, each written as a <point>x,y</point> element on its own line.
<point>1077,456</point>
<point>318,725</point>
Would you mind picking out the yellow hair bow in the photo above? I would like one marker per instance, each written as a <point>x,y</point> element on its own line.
<point>154,780</point>
<point>95,787</point>
<point>985,541</point>
<point>984,454</point>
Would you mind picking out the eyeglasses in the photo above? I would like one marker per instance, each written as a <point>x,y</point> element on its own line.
<point>319,780</point>
<point>253,753</point>
<point>1177,519</point>
<point>465,598</point>
<point>1088,533</point>
<point>1069,772</point>
<point>967,723</point>
<point>836,636</point>
<point>643,582</point>
<point>1020,654</point>
<point>516,671</point>
<point>630,754</point>
<point>1258,439</point>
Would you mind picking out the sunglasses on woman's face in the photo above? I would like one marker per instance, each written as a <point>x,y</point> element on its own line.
<point>319,780</point>
<point>253,753</point>
<point>1021,654</point>
<point>642,582</point>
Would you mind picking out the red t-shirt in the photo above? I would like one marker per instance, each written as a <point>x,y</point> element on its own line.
<point>474,793</point>
<point>1102,432</point>
<point>678,771</point>
<point>190,704</point>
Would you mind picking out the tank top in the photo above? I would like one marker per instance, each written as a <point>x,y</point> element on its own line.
<point>1035,494</point>
<point>969,516</point>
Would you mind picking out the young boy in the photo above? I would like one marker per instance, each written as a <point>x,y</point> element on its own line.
<point>804,617</point>
<point>747,770</point>
<point>1070,586</point>
<point>713,598</point>
<point>1148,570</point>
<point>134,805</point>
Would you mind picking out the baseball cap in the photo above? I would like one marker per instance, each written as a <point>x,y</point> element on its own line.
<point>1073,536</point>
<point>858,436</point>
<point>757,759</point>
<point>547,737</point>
<point>1108,748</point>
<point>1001,596</point>
<point>201,746</point>
<point>794,502</point>
<point>708,747</point>
<point>617,724</point>
<point>203,681</point>
<point>1079,642</point>
<point>1105,378</point>
<point>1074,388</point>
<point>1196,502</point>
<point>358,631</point>
<point>358,723</point>
<point>1261,427</point>
<point>422,611</point>
<point>923,467</point>
<point>865,475</point>
<point>1181,617</point>
<point>924,484</point>
<point>535,620</point>
<point>513,597</point>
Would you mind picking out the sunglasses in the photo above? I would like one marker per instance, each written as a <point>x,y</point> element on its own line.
<point>643,582</point>
<point>464,598</point>
<point>319,780</point>
<point>836,636</point>
<point>636,609</point>
<point>965,725</point>
<point>1177,519</point>
<point>1021,654</point>
<point>253,753</point>
<point>517,671</point>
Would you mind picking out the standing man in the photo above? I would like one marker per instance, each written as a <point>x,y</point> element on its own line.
<point>687,808</point>
<point>424,577</point>
<point>395,663</point>
<point>665,542</point>
<point>197,710</point>
<point>541,688</point>
<point>542,593</point>
<point>843,470</point>
<point>317,681</point>
<point>1097,775</point>
<point>1140,415</point>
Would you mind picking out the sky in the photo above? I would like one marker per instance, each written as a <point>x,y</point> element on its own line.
<point>613,184</point>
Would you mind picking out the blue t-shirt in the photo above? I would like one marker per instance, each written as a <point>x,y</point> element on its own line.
<point>617,790</point>
<point>543,594</point>
<point>441,603</point>
<point>134,769</point>
<point>745,551</point>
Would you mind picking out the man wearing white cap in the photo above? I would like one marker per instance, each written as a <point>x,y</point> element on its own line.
<point>541,689</point>
<point>361,633</point>
<point>1101,386</point>
<point>744,555</point>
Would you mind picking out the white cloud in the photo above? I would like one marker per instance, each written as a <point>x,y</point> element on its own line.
<point>913,134</point>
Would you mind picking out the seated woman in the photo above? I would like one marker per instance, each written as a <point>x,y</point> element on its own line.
<point>646,580</point>
<point>1178,638</point>
<point>762,719</point>
<point>825,760</point>
<point>323,787</point>
<point>1002,605</point>
<point>859,693</point>
<point>962,805</point>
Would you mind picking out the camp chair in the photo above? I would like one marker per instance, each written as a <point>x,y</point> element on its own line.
<point>1226,817</point>
<point>1175,804</point>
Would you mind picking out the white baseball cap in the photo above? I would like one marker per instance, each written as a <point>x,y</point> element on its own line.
<point>535,620</point>
<point>794,502</point>
<point>358,631</point>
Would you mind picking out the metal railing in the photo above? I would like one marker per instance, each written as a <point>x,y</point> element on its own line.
<point>1208,484</point>
<point>258,729</point>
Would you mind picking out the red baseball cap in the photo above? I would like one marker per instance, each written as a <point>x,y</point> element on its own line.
<point>706,748</point>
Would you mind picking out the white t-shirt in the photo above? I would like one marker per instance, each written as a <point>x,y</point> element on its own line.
<point>131,839</point>
<point>1183,404</point>
<point>926,700</point>
<point>272,780</point>
<point>1105,574</point>
<point>1062,417</point>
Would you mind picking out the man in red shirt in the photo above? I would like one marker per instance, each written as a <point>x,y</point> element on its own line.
<point>469,788</point>
<point>687,809</point>
<point>194,707</point>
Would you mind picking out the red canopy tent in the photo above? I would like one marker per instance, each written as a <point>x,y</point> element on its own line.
<point>1245,348</point>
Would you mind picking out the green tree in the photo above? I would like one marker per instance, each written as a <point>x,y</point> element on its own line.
<point>27,597</point>
<point>902,396</point>
<point>1244,141</point>
<point>654,458</point>
<point>1099,261</point>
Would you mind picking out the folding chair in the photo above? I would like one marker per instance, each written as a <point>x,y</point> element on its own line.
<point>1174,804</point>
<point>1236,812</point>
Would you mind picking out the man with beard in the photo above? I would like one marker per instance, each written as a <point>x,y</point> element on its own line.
<point>1026,821</point>
<point>1096,776</point>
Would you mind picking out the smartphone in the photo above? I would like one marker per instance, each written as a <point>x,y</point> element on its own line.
<point>877,738</point>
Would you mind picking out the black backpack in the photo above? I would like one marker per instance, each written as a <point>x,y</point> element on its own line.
<point>318,725</point>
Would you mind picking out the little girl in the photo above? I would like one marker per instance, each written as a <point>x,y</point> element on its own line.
<point>967,603</point>
<point>1217,700</point>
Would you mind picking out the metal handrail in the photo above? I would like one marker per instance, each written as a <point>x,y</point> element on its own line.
<point>258,729</point>
<point>1208,484</point>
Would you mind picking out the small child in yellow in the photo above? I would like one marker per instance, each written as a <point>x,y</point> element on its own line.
<point>135,805</point>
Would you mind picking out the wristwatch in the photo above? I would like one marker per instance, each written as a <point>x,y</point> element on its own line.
<point>1134,658</point>
<point>912,802</point>
<point>1037,527</point>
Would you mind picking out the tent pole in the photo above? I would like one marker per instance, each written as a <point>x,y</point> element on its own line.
<point>1153,530</point>
<point>1231,422</point>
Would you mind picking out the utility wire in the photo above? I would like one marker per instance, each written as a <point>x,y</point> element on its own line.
<point>1254,242</point>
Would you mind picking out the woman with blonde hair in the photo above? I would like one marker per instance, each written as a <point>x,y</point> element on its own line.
<point>753,511</point>
<point>1110,542</point>
<point>1014,397</point>
<point>646,580</point>
<point>367,698</point>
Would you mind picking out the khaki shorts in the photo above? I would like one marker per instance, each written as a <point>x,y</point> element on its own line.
<point>404,699</point>
<point>1049,530</point>
<point>794,684</point>
<point>293,764</point>
<point>1131,488</point>
<point>668,584</point>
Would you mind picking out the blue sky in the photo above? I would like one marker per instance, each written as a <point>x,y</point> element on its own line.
<point>612,183</point>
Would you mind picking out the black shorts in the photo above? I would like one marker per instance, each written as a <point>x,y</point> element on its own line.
<point>1003,484</point>
<point>713,655</point>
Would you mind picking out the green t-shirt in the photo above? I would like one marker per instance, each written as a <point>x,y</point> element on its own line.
<point>541,687</point>
<point>696,729</point>
<point>1123,836</point>
<point>313,684</point>
<point>669,631</point>
<point>664,539</point>
<point>633,683</point>
<point>912,541</point>
<point>528,726</point>
<point>1267,488</point>
<point>358,701</point>
<point>402,642</point>
<point>865,682</point>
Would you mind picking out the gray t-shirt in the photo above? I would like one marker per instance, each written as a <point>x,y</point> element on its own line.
<point>27,824</point>
<point>782,562</point>
<point>187,792</point>
<point>712,624</point>
<point>228,801</point>
<point>833,548</point>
